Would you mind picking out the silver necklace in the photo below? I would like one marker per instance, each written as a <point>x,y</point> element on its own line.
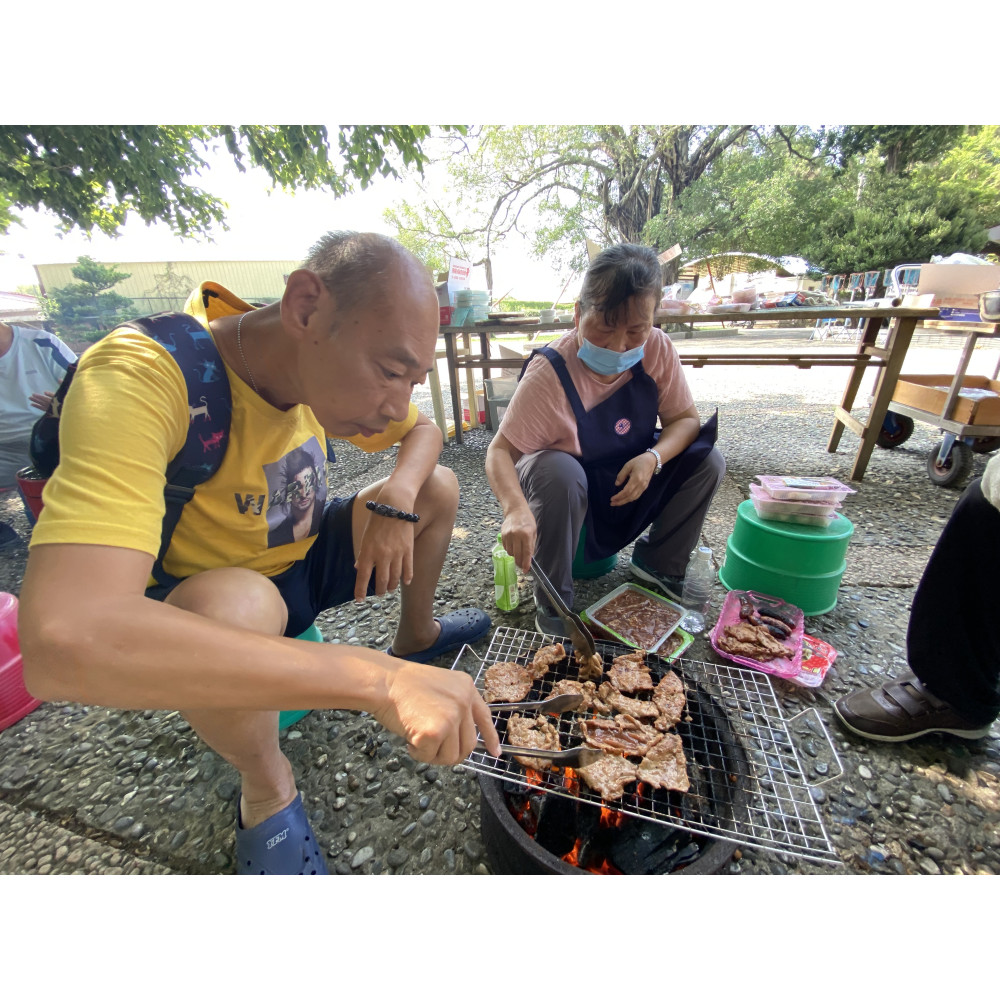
<point>239,347</point>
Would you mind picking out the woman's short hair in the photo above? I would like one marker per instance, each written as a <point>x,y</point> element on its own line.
<point>616,275</point>
<point>353,266</point>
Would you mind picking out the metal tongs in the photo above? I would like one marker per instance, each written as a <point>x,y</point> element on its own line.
<point>579,756</point>
<point>578,633</point>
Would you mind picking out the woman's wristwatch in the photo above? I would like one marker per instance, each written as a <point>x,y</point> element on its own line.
<point>659,461</point>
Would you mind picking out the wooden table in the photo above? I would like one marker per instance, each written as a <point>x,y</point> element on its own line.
<point>865,354</point>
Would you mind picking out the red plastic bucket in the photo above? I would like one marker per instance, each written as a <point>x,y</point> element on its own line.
<point>30,485</point>
<point>15,702</point>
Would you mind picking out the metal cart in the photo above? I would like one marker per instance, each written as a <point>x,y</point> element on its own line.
<point>949,463</point>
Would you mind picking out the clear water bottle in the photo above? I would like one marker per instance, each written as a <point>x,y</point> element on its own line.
<point>697,594</point>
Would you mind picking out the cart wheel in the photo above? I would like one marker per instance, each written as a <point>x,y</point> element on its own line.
<point>895,430</point>
<point>983,446</point>
<point>955,470</point>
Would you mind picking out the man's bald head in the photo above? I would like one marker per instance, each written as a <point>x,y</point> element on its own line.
<point>355,267</point>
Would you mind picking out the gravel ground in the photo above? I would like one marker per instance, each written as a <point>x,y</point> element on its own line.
<point>88,789</point>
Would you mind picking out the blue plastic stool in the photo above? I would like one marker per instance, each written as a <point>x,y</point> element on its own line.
<point>285,719</point>
<point>588,570</point>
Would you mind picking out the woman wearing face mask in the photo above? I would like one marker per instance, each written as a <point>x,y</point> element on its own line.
<point>578,444</point>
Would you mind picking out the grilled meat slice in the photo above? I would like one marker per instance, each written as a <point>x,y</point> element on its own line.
<point>618,702</point>
<point>664,766</point>
<point>623,734</point>
<point>585,688</point>
<point>532,731</point>
<point>591,667</point>
<point>609,775</point>
<point>546,658</point>
<point>507,682</point>
<point>630,674</point>
<point>752,641</point>
<point>669,698</point>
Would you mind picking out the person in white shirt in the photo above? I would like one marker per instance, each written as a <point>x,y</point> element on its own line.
<point>32,364</point>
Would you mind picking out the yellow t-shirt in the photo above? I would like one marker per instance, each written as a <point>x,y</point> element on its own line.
<point>127,416</point>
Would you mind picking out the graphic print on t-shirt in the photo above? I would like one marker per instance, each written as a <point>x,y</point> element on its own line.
<point>296,489</point>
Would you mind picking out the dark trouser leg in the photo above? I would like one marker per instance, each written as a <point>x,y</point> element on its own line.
<point>555,486</point>
<point>952,643</point>
<point>668,543</point>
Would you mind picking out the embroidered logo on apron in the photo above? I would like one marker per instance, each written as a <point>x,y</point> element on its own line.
<point>623,426</point>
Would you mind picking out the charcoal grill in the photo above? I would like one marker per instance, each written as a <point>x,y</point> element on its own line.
<point>748,784</point>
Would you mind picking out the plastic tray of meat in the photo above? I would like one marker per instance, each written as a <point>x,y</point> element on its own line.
<point>635,616</point>
<point>747,614</point>
<point>821,488</point>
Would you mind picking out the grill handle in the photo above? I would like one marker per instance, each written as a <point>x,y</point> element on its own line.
<point>826,736</point>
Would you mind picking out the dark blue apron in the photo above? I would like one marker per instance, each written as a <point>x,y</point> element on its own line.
<point>621,427</point>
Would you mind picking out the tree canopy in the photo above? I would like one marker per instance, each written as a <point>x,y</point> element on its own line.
<point>561,184</point>
<point>846,198</point>
<point>92,176</point>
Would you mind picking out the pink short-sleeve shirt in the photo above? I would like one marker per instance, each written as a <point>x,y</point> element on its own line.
<point>539,417</point>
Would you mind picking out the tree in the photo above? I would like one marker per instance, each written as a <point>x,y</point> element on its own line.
<point>900,146</point>
<point>936,194</point>
<point>87,305</point>
<point>562,184</point>
<point>92,176</point>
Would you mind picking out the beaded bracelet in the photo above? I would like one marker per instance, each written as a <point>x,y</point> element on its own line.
<point>384,510</point>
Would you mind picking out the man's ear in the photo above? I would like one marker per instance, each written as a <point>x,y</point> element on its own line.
<point>301,302</point>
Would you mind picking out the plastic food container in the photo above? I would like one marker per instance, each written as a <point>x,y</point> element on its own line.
<point>674,306</point>
<point>820,488</point>
<point>769,504</point>
<point>660,617</point>
<point>819,515</point>
<point>787,667</point>
<point>674,645</point>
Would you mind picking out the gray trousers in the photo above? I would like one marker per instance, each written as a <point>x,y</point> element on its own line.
<point>555,486</point>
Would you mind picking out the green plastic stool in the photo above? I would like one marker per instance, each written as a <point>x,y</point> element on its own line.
<point>588,570</point>
<point>801,564</point>
<point>285,719</point>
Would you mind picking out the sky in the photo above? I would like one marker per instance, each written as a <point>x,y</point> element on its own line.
<point>538,63</point>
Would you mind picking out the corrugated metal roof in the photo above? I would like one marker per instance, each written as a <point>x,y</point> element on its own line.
<point>253,280</point>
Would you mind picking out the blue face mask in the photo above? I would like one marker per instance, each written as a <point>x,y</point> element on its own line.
<point>605,362</point>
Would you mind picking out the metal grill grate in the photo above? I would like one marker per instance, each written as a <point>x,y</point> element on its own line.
<point>747,781</point>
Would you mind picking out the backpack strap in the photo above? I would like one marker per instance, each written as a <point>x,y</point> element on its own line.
<point>43,445</point>
<point>210,408</point>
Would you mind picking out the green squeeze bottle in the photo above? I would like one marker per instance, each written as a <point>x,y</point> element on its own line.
<point>504,578</point>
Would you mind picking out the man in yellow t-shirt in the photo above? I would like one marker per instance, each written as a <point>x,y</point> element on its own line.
<point>259,551</point>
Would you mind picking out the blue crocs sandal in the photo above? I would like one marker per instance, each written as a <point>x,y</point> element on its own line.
<point>457,628</point>
<point>281,845</point>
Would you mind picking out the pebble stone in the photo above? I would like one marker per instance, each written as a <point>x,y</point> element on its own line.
<point>90,789</point>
